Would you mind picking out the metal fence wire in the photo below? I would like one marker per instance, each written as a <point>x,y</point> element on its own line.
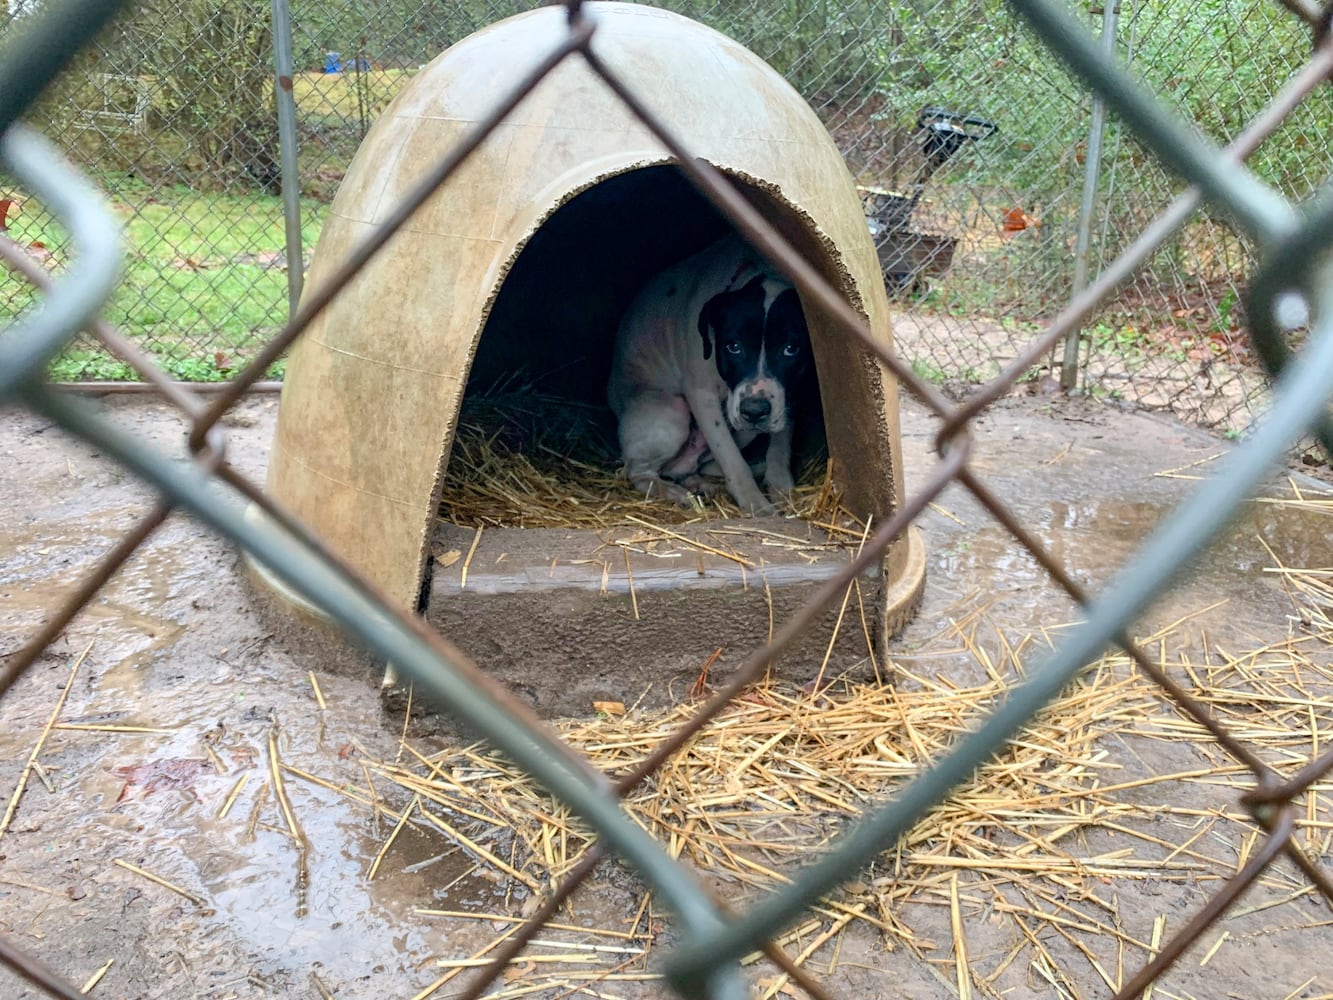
<point>1292,286</point>
<point>174,113</point>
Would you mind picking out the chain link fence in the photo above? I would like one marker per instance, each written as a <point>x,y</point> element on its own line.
<point>705,961</point>
<point>174,113</point>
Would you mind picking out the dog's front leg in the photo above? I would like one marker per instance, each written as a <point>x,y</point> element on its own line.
<point>777,465</point>
<point>707,410</point>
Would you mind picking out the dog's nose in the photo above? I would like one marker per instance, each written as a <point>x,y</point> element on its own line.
<point>755,409</point>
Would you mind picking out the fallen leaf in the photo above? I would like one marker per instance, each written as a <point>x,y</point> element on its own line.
<point>1016,220</point>
<point>158,775</point>
<point>6,206</point>
<point>37,250</point>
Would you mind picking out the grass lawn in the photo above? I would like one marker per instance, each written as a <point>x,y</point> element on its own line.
<point>205,279</point>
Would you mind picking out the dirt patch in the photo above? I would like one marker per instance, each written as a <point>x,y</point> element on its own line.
<point>164,758</point>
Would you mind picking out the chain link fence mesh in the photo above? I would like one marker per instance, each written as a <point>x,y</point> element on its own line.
<point>712,941</point>
<point>173,112</point>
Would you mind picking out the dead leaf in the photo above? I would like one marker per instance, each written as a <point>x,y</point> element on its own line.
<point>158,775</point>
<point>8,205</point>
<point>38,251</point>
<point>1016,220</point>
<point>609,707</point>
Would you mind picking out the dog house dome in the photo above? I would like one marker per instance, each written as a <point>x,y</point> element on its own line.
<point>560,215</point>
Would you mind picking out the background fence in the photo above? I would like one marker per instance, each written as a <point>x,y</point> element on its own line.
<point>174,115</point>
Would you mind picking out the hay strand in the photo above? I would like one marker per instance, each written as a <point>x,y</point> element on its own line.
<point>159,880</point>
<point>22,784</point>
<point>293,827</point>
<point>96,977</point>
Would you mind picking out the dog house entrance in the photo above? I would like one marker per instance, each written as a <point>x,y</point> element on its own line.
<point>536,442</point>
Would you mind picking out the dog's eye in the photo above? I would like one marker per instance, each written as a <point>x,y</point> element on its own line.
<point>733,347</point>
<point>791,350</point>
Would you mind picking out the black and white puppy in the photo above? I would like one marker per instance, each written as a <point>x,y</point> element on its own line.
<point>705,359</point>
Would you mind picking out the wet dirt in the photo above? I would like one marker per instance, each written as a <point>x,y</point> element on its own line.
<point>177,646</point>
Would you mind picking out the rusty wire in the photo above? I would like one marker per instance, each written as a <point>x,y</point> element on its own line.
<point>1269,801</point>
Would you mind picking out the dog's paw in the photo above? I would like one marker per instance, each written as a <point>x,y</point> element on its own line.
<point>702,486</point>
<point>780,484</point>
<point>665,489</point>
<point>757,505</point>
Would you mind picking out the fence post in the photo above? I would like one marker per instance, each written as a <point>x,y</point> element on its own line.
<point>284,70</point>
<point>1091,175</point>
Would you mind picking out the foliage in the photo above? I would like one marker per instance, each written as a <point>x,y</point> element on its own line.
<point>390,34</point>
<point>219,90</point>
<point>209,67</point>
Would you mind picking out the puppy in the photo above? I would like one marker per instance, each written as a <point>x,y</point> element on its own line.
<point>704,362</point>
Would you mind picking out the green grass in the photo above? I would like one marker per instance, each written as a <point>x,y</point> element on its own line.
<point>204,284</point>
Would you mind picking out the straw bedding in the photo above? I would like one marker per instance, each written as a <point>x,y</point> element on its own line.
<point>526,459</point>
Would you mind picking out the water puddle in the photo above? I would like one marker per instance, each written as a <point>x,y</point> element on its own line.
<point>1093,538</point>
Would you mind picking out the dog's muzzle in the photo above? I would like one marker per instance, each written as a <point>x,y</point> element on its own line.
<point>761,409</point>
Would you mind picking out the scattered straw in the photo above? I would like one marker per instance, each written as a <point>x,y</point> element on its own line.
<point>35,888</point>
<point>232,795</point>
<point>41,742</point>
<point>629,575</point>
<point>393,835</point>
<point>959,942</point>
<point>686,540</point>
<point>1177,472</point>
<point>293,828</point>
<point>159,880</point>
<point>96,977</point>
<point>1050,836</point>
<point>319,695</point>
<point>1208,955</point>
<point>476,540</point>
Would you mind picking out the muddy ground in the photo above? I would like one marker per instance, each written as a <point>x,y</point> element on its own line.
<point>176,644</point>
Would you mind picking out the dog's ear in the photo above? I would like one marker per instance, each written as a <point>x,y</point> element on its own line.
<point>714,310</point>
<point>707,317</point>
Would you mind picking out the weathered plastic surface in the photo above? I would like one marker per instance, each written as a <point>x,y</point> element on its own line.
<point>373,389</point>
